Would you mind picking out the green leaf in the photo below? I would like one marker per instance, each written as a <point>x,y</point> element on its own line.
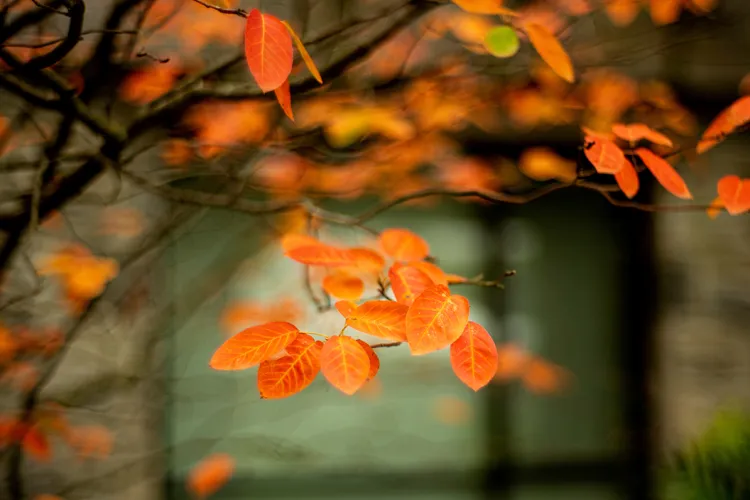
<point>502,41</point>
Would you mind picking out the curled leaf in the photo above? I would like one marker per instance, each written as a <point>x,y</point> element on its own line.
<point>736,115</point>
<point>303,52</point>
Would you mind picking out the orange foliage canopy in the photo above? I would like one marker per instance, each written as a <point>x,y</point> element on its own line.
<point>426,315</point>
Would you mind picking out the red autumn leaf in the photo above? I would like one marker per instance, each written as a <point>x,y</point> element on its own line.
<point>627,179</point>
<point>284,96</point>
<point>725,123</point>
<point>474,356</point>
<point>35,443</point>
<point>435,320</point>
<point>344,363</point>
<point>664,173</point>
<point>381,318</point>
<point>374,360</point>
<point>407,282</point>
<point>403,245</point>
<point>268,50</point>
<point>210,474</point>
<point>343,285</point>
<point>734,194</point>
<point>290,374</point>
<point>345,307</point>
<point>253,345</point>
<point>605,156</point>
<point>635,132</point>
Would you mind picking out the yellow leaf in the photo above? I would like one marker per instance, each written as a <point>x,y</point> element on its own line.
<point>303,52</point>
<point>550,50</point>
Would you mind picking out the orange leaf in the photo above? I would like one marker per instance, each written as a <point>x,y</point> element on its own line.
<point>622,12</point>
<point>290,374</point>
<point>605,156</point>
<point>241,314</point>
<point>253,345</point>
<point>285,99</point>
<point>543,377</point>
<point>451,410</point>
<point>91,441</point>
<point>436,274</point>
<point>321,255</point>
<point>407,282</point>
<point>36,444</point>
<point>435,320</point>
<point>714,209</point>
<point>725,123</point>
<point>268,50</point>
<point>210,474</point>
<point>366,260</point>
<point>543,164</point>
<point>485,7</point>
<point>344,363</point>
<point>403,245</point>
<point>665,11</point>
<point>374,360</point>
<point>664,173</point>
<point>345,307</point>
<point>295,240</point>
<point>550,50</point>
<point>343,285</point>
<point>303,52</point>
<point>734,194</point>
<point>512,360</point>
<point>474,356</point>
<point>381,318</point>
<point>635,132</point>
<point>627,179</point>
<point>8,345</point>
